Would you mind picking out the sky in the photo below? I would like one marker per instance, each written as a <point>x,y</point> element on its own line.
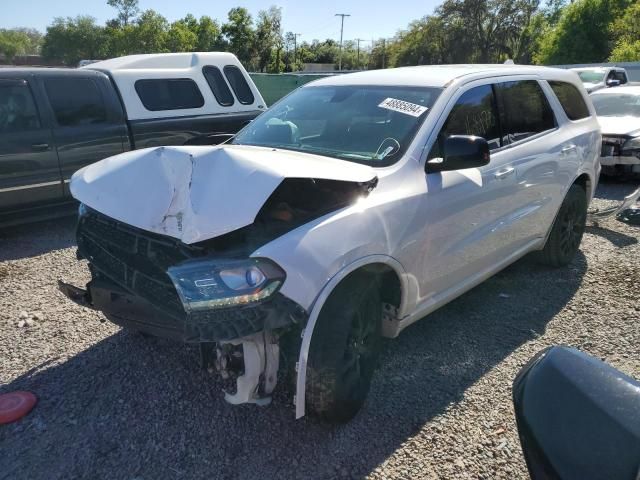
<point>313,19</point>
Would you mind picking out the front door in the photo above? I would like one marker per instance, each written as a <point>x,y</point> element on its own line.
<point>29,171</point>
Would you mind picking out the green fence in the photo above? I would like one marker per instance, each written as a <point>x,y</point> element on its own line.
<point>274,86</point>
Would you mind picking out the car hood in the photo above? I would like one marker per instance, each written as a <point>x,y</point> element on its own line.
<point>620,125</point>
<point>197,193</point>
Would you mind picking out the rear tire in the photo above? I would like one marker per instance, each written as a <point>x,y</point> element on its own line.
<point>566,234</point>
<point>344,349</point>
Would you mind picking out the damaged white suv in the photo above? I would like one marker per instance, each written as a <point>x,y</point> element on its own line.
<point>350,209</point>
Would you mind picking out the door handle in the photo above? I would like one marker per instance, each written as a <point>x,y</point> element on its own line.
<point>504,173</point>
<point>39,147</point>
<point>568,148</point>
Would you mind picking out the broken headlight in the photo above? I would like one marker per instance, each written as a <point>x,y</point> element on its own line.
<point>216,284</point>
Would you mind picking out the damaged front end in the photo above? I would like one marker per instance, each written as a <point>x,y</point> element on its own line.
<point>177,282</point>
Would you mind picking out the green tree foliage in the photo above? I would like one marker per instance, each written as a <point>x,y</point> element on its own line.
<point>19,41</point>
<point>582,33</point>
<point>73,39</point>
<point>268,39</point>
<point>240,34</point>
<point>183,35</point>
<point>127,10</point>
<point>626,32</point>
<point>209,35</point>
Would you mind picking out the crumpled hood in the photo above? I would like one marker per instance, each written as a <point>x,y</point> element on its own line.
<point>196,193</point>
<point>619,125</point>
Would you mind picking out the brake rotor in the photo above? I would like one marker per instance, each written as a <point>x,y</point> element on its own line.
<point>15,405</point>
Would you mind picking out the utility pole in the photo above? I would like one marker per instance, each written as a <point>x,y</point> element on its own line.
<point>358,57</point>
<point>341,15</point>
<point>295,47</point>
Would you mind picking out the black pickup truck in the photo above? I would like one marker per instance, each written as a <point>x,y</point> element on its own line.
<point>55,121</point>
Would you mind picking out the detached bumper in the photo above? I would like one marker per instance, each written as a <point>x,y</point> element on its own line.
<point>132,311</point>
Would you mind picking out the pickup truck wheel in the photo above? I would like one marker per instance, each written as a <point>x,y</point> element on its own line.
<point>344,350</point>
<point>568,228</point>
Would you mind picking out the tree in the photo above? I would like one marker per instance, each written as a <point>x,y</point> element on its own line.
<point>183,36</point>
<point>149,34</point>
<point>268,39</point>
<point>73,39</point>
<point>18,41</point>
<point>240,34</point>
<point>127,10</point>
<point>625,31</point>
<point>582,33</point>
<point>209,35</point>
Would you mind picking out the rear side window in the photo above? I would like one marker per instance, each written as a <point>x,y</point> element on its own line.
<point>525,110</point>
<point>18,111</point>
<point>239,84</point>
<point>75,101</point>
<point>570,99</point>
<point>218,86</point>
<point>169,94</point>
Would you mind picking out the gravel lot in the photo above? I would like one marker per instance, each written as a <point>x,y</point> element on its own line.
<point>117,405</point>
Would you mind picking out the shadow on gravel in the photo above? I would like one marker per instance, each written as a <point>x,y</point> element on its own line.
<point>35,239</point>
<point>616,238</point>
<point>130,407</point>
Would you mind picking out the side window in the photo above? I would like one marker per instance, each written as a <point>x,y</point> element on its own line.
<point>239,84</point>
<point>621,76</point>
<point>218,86</point>
<point>75,101</point>
<point>473,114</point>
<point>525,110</point>
<point>18,111</point>
<point>571,100</point>
<point>169,94</point>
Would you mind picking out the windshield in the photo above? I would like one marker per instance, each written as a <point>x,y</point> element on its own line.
<point>617,105</point>
<point>591,76</point>
<point>365,124</point>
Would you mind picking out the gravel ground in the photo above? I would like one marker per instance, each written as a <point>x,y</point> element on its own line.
<point>117,405</point>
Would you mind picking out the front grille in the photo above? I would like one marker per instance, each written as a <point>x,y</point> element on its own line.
<point>134,259</point>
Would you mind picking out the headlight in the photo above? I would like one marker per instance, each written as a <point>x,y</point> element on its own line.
<point>632,144</point>
<point>207,284</point>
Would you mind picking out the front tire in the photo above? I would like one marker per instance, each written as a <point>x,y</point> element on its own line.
<point>344,349</point>
<point>566,234</point>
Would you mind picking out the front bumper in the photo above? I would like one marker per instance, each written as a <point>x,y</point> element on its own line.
<point>611,160</point>
<point>131,287</point>
<point>132,311</point>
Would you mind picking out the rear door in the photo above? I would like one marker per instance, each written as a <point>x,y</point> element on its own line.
<point>29,173</point>
<point>86,126</point>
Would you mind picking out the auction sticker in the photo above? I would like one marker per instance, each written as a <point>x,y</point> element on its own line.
<point>401,106</point>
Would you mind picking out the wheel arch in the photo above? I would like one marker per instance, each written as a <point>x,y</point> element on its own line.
<point>393,277</point>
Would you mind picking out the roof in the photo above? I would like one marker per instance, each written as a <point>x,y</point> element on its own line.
<point>597,68</point>
<point>629,89</point>
<point>163,61</point>
<point>438,75</point>
<point>44,71</point>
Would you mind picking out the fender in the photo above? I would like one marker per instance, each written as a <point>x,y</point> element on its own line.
<point>301,378</point>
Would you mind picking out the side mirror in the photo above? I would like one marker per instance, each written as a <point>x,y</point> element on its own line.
<point>577,417</point>
<point>460,152</point>
<point>613,83</point>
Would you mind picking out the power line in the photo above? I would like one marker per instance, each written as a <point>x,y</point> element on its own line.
<point>341,15</point>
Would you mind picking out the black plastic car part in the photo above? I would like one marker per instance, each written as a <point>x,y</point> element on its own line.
<point>578,418</point>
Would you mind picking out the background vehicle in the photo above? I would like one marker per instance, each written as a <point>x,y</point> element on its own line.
<point>577,417</point>
<point>601,77</point>
<point>360,204</point>
<point>618,112</point>
<point>55,121</point>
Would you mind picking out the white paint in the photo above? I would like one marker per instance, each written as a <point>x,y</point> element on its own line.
<point>126,71</point>
<point>197,193</point>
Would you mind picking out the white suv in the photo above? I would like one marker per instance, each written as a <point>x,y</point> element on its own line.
<point>352,208</point>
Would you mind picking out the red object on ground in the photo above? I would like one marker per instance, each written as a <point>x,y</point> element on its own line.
<point>15,405</point>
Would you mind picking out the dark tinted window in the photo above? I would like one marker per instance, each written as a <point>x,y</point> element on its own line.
<point>571,100</point>
<point>75,101</point>
<point>239,84</point>
<point>620,76</point>
<point>169,94</point>
<point>473,114</point>
<point>218,85</point>
<point>17,109</point>
<point>525,110</point>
